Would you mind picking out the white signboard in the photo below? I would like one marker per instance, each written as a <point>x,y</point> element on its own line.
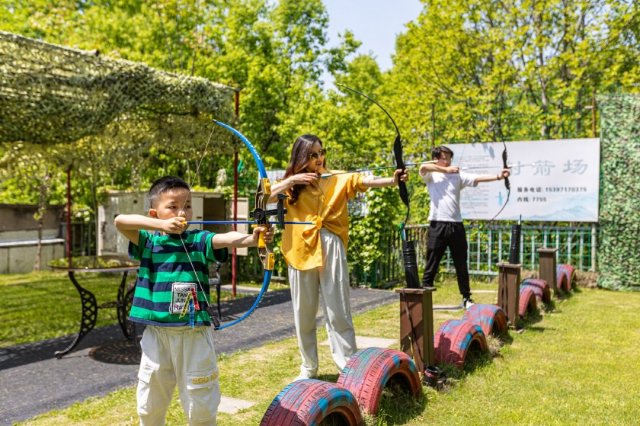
<point>551,180</point>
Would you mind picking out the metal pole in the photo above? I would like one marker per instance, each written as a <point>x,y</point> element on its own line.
<point>68,219</point>
<point>594,243</point>
<point>234,253</point>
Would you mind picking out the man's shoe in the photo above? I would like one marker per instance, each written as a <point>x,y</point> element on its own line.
<point>467,303</point>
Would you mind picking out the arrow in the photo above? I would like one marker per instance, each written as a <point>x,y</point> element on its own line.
<point>239,222</point>
<point>326,175</point>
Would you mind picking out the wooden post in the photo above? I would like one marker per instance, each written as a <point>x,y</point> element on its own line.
<point>547,269</point>
<point>416,325</point>
<point>509,291</point>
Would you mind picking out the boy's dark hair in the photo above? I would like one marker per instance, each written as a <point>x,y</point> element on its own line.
<point>164,184</point>
<point>435,152</point>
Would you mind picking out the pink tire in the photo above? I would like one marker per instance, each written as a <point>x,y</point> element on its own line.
<point>569,273</point>
<point>542,285</point>
<point>370,370</point>
<point>454,339</point>
<point>310,402</point>
<point>491,319</point>
<point>527,301</point>
<point>537,292</point>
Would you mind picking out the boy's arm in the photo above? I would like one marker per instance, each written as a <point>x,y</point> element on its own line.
<point>129,225</point>
<point>238,239</point>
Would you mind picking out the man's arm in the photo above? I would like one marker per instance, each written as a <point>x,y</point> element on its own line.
<point>492,178</point>
<point>431,167</point>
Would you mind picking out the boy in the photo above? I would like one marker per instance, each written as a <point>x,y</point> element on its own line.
<point>171,297</point>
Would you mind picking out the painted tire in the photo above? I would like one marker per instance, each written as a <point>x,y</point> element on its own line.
<point>542,285</point>
<point>491,319</point>
<point>527,301</point>
<point>309,402</point>
<point>368,372</point>
<point>453,340</point>
<point>569,273</point>
<point>537,292</point>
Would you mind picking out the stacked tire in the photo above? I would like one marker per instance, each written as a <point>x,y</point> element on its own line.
<point>540,289</point>
<point>455,339</point>
<point>491,319</point>
<point>370,370</point>
<point>566,276</point>
<point>359,389</point>
<point>528,302</point>
<point>311,402</point>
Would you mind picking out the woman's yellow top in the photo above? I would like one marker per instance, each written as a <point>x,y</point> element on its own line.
<point>325,204</point>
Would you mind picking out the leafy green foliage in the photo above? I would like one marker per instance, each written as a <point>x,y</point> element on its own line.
<point>619,250</point>
<point>465,70</point>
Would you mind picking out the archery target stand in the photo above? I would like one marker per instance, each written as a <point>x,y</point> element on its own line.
<point>416,325</point>
<point>547,268</point>
<point>509,291</point>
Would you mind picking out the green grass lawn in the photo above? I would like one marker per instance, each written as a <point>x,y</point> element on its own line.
<point>576,364</point>
<point>45,305</point>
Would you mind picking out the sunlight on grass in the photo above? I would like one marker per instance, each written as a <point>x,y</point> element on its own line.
<point>56,300</point>
<point>573,365</point>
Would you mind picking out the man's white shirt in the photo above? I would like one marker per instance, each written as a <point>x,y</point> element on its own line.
<point>444,191</point>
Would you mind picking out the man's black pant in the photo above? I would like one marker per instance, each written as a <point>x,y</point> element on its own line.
<point>443,235</point>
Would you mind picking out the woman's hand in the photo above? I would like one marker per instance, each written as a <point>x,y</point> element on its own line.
<point>401,175</point>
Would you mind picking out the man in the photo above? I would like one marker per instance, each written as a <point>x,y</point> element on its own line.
<point>445,221</point>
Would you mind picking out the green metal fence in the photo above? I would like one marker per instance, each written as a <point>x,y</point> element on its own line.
<point>488,246</point>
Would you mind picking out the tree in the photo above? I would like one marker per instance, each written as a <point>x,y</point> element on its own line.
<point>512,70</point>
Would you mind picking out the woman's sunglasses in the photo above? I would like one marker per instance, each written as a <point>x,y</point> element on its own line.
<point>316,155</point>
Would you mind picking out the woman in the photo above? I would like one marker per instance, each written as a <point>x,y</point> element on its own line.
<point>316,254</point>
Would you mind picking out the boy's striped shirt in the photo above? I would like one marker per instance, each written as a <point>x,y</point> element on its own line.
<point>163,261</point>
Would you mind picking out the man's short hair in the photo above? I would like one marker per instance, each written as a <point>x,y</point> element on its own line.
<point>164,184</point>
<point>435,152</point>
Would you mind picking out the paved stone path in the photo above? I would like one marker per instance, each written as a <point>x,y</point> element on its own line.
<point>33,381</point>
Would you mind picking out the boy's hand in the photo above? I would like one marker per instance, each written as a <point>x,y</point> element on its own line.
<point>268,233</point>
<point>452,169</point>
<point>175,225</point>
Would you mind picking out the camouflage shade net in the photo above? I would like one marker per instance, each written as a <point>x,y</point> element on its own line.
<point>619,250</point>
<point>50,93</point>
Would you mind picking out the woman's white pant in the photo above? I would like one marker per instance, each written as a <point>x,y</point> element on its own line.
<point>331,282</point>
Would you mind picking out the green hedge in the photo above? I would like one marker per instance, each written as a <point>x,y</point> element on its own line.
<point>619,251</point>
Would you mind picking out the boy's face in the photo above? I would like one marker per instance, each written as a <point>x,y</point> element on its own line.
<point>173,203</point>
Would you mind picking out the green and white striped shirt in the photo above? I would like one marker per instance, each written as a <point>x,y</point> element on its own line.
<point>163,262</point>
